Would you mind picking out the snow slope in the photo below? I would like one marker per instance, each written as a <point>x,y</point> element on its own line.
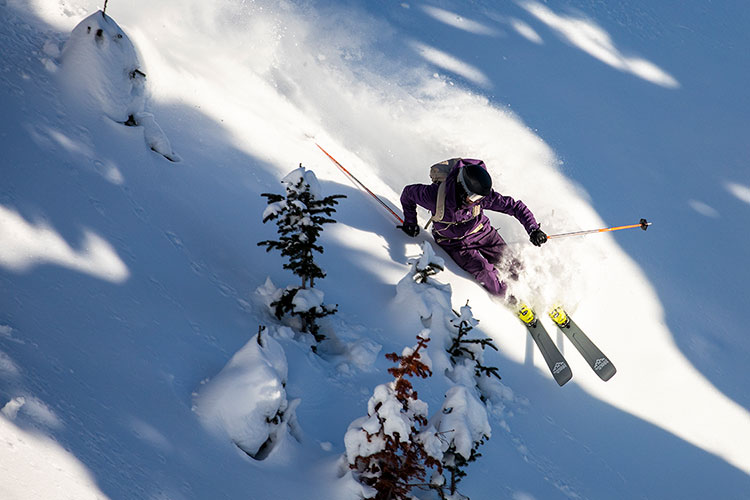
<point>128,279</point>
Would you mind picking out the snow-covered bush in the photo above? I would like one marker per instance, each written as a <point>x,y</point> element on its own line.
<point>300,215</point>
<point>466,353</point>
<point>463,425</point>
<point>247,400</point>
<point>426,265</point>
<point>463,419</point>
<point>419,292</point>
<point>392,448</point>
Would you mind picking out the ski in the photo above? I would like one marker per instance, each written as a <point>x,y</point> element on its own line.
<point>598,362</point>
<point>555,361</point>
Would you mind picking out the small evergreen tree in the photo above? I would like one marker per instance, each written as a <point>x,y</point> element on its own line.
<point>455,465</point>
<point>392,448</point>
<point>464,348</point>
<point>463,416</point>
<point>426,265</point>
<point>300,215</point>
<point>462,424</point>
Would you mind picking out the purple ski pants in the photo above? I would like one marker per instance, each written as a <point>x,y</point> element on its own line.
<point>478,255</point>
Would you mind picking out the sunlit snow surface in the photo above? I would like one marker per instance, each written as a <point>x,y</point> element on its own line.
<point>127,279</point>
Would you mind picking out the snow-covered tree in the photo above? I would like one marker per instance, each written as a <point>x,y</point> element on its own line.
<point>392,448</point>
<point>462,422</point>
<point>463,425</point>
<point>300,215</point>
<point>467,352</point>
<point>419,292</point>
<point>426,265</point>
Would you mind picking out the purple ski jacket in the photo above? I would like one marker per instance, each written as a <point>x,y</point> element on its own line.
<point>461,224</point>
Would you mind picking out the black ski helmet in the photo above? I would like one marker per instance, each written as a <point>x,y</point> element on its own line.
<point>475,180</point>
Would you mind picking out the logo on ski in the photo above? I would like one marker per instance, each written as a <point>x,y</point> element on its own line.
<point>600,363</point>
<point>559,367</point>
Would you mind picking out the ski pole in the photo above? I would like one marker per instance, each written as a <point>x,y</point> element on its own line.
<point>349,174</point>
<point>643,225</point>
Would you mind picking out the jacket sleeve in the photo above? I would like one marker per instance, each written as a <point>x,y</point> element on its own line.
<point>418,194</point>
<point>507,205</point>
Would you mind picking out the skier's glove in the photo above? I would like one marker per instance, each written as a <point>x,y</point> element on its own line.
<point>537,237</point>
<point>410,228</point>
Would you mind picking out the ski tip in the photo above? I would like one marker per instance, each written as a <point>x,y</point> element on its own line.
<point>607,374</point>
<point>561,372</point>
<point>604,368</point>
<point>564,378</point>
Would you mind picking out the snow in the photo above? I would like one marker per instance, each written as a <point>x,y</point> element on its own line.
<point>100,70</point>
<point>247,400</point>
<point>463,418</point>
<point>308,298</point>
<point>98,65</point>
<point>739,191</point>
<point>428,258</point>
<point>30,245</point>
<point>592,39</point>
<point>130,274</point>
<point>38,467</point>
<point>305,179</point>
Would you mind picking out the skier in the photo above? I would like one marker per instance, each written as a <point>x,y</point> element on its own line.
<point>460,192</point>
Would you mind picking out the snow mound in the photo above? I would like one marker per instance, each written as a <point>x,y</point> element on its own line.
<point>100,68</point>
<point>100,72</point>
<point>247,400</point>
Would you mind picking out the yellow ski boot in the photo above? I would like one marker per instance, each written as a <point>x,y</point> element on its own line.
<point>559,316</point>
<point>526,315</point>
